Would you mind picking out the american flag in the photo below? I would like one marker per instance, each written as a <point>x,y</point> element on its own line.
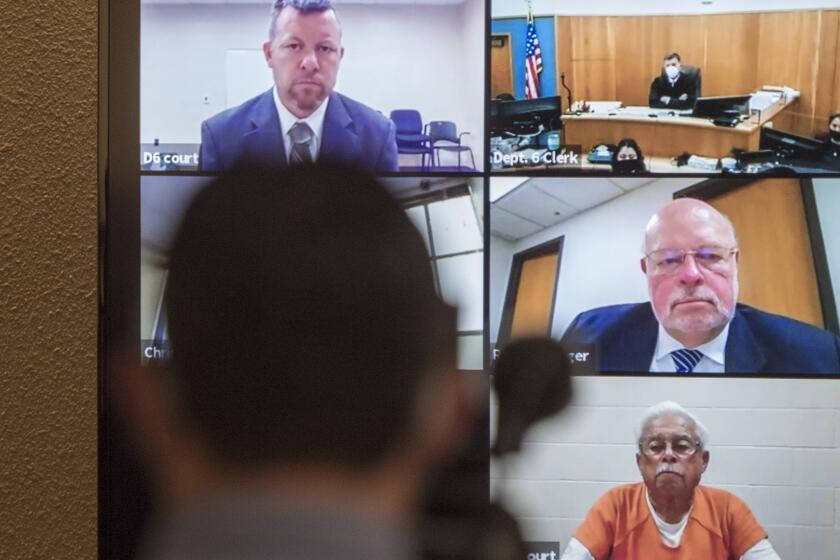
<point>533,62</point>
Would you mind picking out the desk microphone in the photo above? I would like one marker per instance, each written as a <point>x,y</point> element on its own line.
<point>568,91</point>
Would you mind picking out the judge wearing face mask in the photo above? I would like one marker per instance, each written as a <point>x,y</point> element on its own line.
<point>673,89</point>
<point>627,157</point>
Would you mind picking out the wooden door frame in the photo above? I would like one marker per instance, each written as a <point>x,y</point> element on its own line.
<point>509,39</point>
<point>711,188</point>
<point>550,247</point>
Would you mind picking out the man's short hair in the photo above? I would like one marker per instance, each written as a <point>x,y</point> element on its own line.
<point>303,318</point>
<point>305,6</point>
<point>671,55</point>
<point>832,117</point>
<point>670,408</point>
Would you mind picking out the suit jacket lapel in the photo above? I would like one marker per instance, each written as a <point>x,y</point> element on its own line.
<point>339,142</point>
<point>632,348</point>
<point>743,353</point>
<point>265,141</point>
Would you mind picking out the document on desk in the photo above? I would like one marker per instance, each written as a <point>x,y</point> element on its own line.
<point>761,100</point>
<point>603,106</point>
<point>647,111</point>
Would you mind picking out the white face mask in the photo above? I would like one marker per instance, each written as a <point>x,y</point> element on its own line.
<point>672,72</point>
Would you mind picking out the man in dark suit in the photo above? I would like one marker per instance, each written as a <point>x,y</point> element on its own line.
<point>673,89</point>
<point>692,322</point>
<point>301,119</point>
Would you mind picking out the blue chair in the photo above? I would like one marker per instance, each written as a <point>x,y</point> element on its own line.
<point>444,136</point>
<point>410,137</point>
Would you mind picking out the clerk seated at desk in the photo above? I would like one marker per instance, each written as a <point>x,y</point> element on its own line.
<point>832,139</point>
<point>675,88</point>
<point>627,157</point>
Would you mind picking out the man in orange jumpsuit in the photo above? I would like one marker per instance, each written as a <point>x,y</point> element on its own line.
<point>670,515</point>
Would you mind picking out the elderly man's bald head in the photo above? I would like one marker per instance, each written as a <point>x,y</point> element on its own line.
<point>689,211</point>
<point>691,267</point>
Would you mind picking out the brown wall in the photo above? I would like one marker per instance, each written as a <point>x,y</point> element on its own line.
<point>48,270</point>
<point>617,57</point>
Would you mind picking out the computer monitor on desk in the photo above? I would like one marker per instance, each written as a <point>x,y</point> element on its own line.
<point>714,107</point>
<point>524,117</point>
<point>790,146</point>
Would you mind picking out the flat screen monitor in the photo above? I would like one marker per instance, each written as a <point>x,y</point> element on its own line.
<point>713,107</point>
<point>524,116</point>
<point>790,146</point>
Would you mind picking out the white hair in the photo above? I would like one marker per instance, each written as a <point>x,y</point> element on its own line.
<point>670,408</point>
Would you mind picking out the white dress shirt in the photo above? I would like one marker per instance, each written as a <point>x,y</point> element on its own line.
<point>713,360</point>
<point>315,121</point>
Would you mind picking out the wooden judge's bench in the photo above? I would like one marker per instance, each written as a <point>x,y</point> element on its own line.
<point>663,133</point>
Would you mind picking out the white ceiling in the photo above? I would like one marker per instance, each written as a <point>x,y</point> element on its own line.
<point>541,202</point>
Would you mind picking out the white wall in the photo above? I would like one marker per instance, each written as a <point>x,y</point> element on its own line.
<point>827,194</point>
<point>501,259</point>
<point>517,8</point>
<point>397,56</point>
<point>774,442</point>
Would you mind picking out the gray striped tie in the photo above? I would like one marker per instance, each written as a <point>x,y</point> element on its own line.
<point>301,136</point>
<point>686,360</point>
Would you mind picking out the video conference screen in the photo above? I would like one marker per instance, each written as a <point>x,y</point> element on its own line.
<point>664,88</point>
<point>445,210</point>
<point>626,271</point>
<point>213,75</point>
<point>654,185</point>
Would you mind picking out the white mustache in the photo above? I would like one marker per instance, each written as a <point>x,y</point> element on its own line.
<point>668,469</point>
<point>701,292</point>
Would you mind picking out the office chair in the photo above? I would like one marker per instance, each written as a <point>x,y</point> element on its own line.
<point>444,136</point>
<point>693,72</point>
<point>410,136</point>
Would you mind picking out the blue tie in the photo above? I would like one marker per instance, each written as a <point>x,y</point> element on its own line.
<point>686,360</point>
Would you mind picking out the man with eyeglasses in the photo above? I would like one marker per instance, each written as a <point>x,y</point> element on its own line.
<point>693,323</point>
<point>669,514</point>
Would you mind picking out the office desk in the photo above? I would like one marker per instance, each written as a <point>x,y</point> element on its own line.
<point>665,135</point>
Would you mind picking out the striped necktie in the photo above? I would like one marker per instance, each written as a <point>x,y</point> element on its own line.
<point>301,136</point>
<point>686,360</point>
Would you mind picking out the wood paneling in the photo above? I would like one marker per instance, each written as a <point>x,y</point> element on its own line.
<point>729,67</point>
<point>563,52</point>
<point>617,57</point>
<point>633,68</point>
<point>824,105</point>
<point>592,38</point>
<point>835,100</point>
<point>788,43</point>
<point>776,266</point>
<point>597,77</point>
<point>501,67</point>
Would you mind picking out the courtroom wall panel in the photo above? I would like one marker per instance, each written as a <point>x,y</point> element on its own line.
<point>617,57</point>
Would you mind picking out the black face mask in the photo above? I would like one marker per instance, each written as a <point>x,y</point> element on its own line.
<point>628,166</point>
<point>834,136</point>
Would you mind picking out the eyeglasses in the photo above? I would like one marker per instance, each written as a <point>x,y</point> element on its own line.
<point>681,447</point>
<point>714,258</point>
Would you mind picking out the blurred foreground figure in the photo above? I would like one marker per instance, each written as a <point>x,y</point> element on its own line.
<point>670,514</point>
<point>312,388</point>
